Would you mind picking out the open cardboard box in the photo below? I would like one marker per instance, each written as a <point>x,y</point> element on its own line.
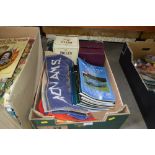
<point>113,118</point>
<point>140,49</point>
<point>145,98</point>
<point>24,91</point>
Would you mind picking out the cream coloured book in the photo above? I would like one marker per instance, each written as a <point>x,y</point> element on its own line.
<point>11,50</point>
<point>67,46</point>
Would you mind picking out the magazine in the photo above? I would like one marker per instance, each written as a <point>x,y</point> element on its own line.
<point>94,83</point>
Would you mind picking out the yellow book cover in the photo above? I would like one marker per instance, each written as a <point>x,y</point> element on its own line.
<point>11,50</point>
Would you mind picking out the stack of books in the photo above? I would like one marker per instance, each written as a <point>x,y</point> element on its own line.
<point>13,56</point>
<point>95,91</point>
<point>146,69</point>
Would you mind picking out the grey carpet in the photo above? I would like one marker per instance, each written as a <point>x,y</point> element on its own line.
<point>135,120</point>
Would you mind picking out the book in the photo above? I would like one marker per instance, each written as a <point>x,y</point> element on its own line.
<point>11,50</point>
<point>6,84</point>
<point>67,46</point>
<point>94,83</point>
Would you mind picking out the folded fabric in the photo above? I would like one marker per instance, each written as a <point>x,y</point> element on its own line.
<point>91,44</point>
<point>57,85</point>
<point>66,115</point>
<point>92,52</point>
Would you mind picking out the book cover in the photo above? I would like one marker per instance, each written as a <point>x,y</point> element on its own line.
<point>7,84</point>
<point>10,53</point>
<point>67,46</point>
<point>94,82</point>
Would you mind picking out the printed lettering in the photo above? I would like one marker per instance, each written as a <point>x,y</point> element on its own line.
<point>56,91</point>
<point>54,62</point>
<point>60,98</point>
<point>55,72</point>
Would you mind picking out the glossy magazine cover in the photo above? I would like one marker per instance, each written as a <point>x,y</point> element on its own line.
<point>94,82</point>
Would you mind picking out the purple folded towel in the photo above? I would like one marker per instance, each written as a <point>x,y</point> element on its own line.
<point>90,44</point>
<point>92,52</point>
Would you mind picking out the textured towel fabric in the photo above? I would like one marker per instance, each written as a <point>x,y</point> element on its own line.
<point>92,52</point>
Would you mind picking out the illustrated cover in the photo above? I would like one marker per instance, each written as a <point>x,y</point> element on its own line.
<point>10,53</point>
<point>7,83</point>
<point>94,82</point>
<point>58,93</point>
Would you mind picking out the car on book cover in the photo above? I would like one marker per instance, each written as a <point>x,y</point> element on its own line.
<point>94,82</point>
<point>7,57</point>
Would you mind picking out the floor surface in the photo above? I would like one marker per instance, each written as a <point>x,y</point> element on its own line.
<point>135,120</point>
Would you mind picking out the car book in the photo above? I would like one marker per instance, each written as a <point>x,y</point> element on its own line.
<point>94,85</point>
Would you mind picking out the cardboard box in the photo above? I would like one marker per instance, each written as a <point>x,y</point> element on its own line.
<point>24,91</point>
<point>145,98</point>
<point>113,118</point>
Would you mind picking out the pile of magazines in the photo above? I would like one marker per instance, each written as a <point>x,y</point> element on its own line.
<point>95,92</point>
<point>146,68</point>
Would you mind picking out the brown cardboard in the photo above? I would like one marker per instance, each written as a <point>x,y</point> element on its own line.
<point>24,90</point>
<point>119,109</point>
<point>140,49</point>
<point>145,98</point>
<point>119,106</point>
